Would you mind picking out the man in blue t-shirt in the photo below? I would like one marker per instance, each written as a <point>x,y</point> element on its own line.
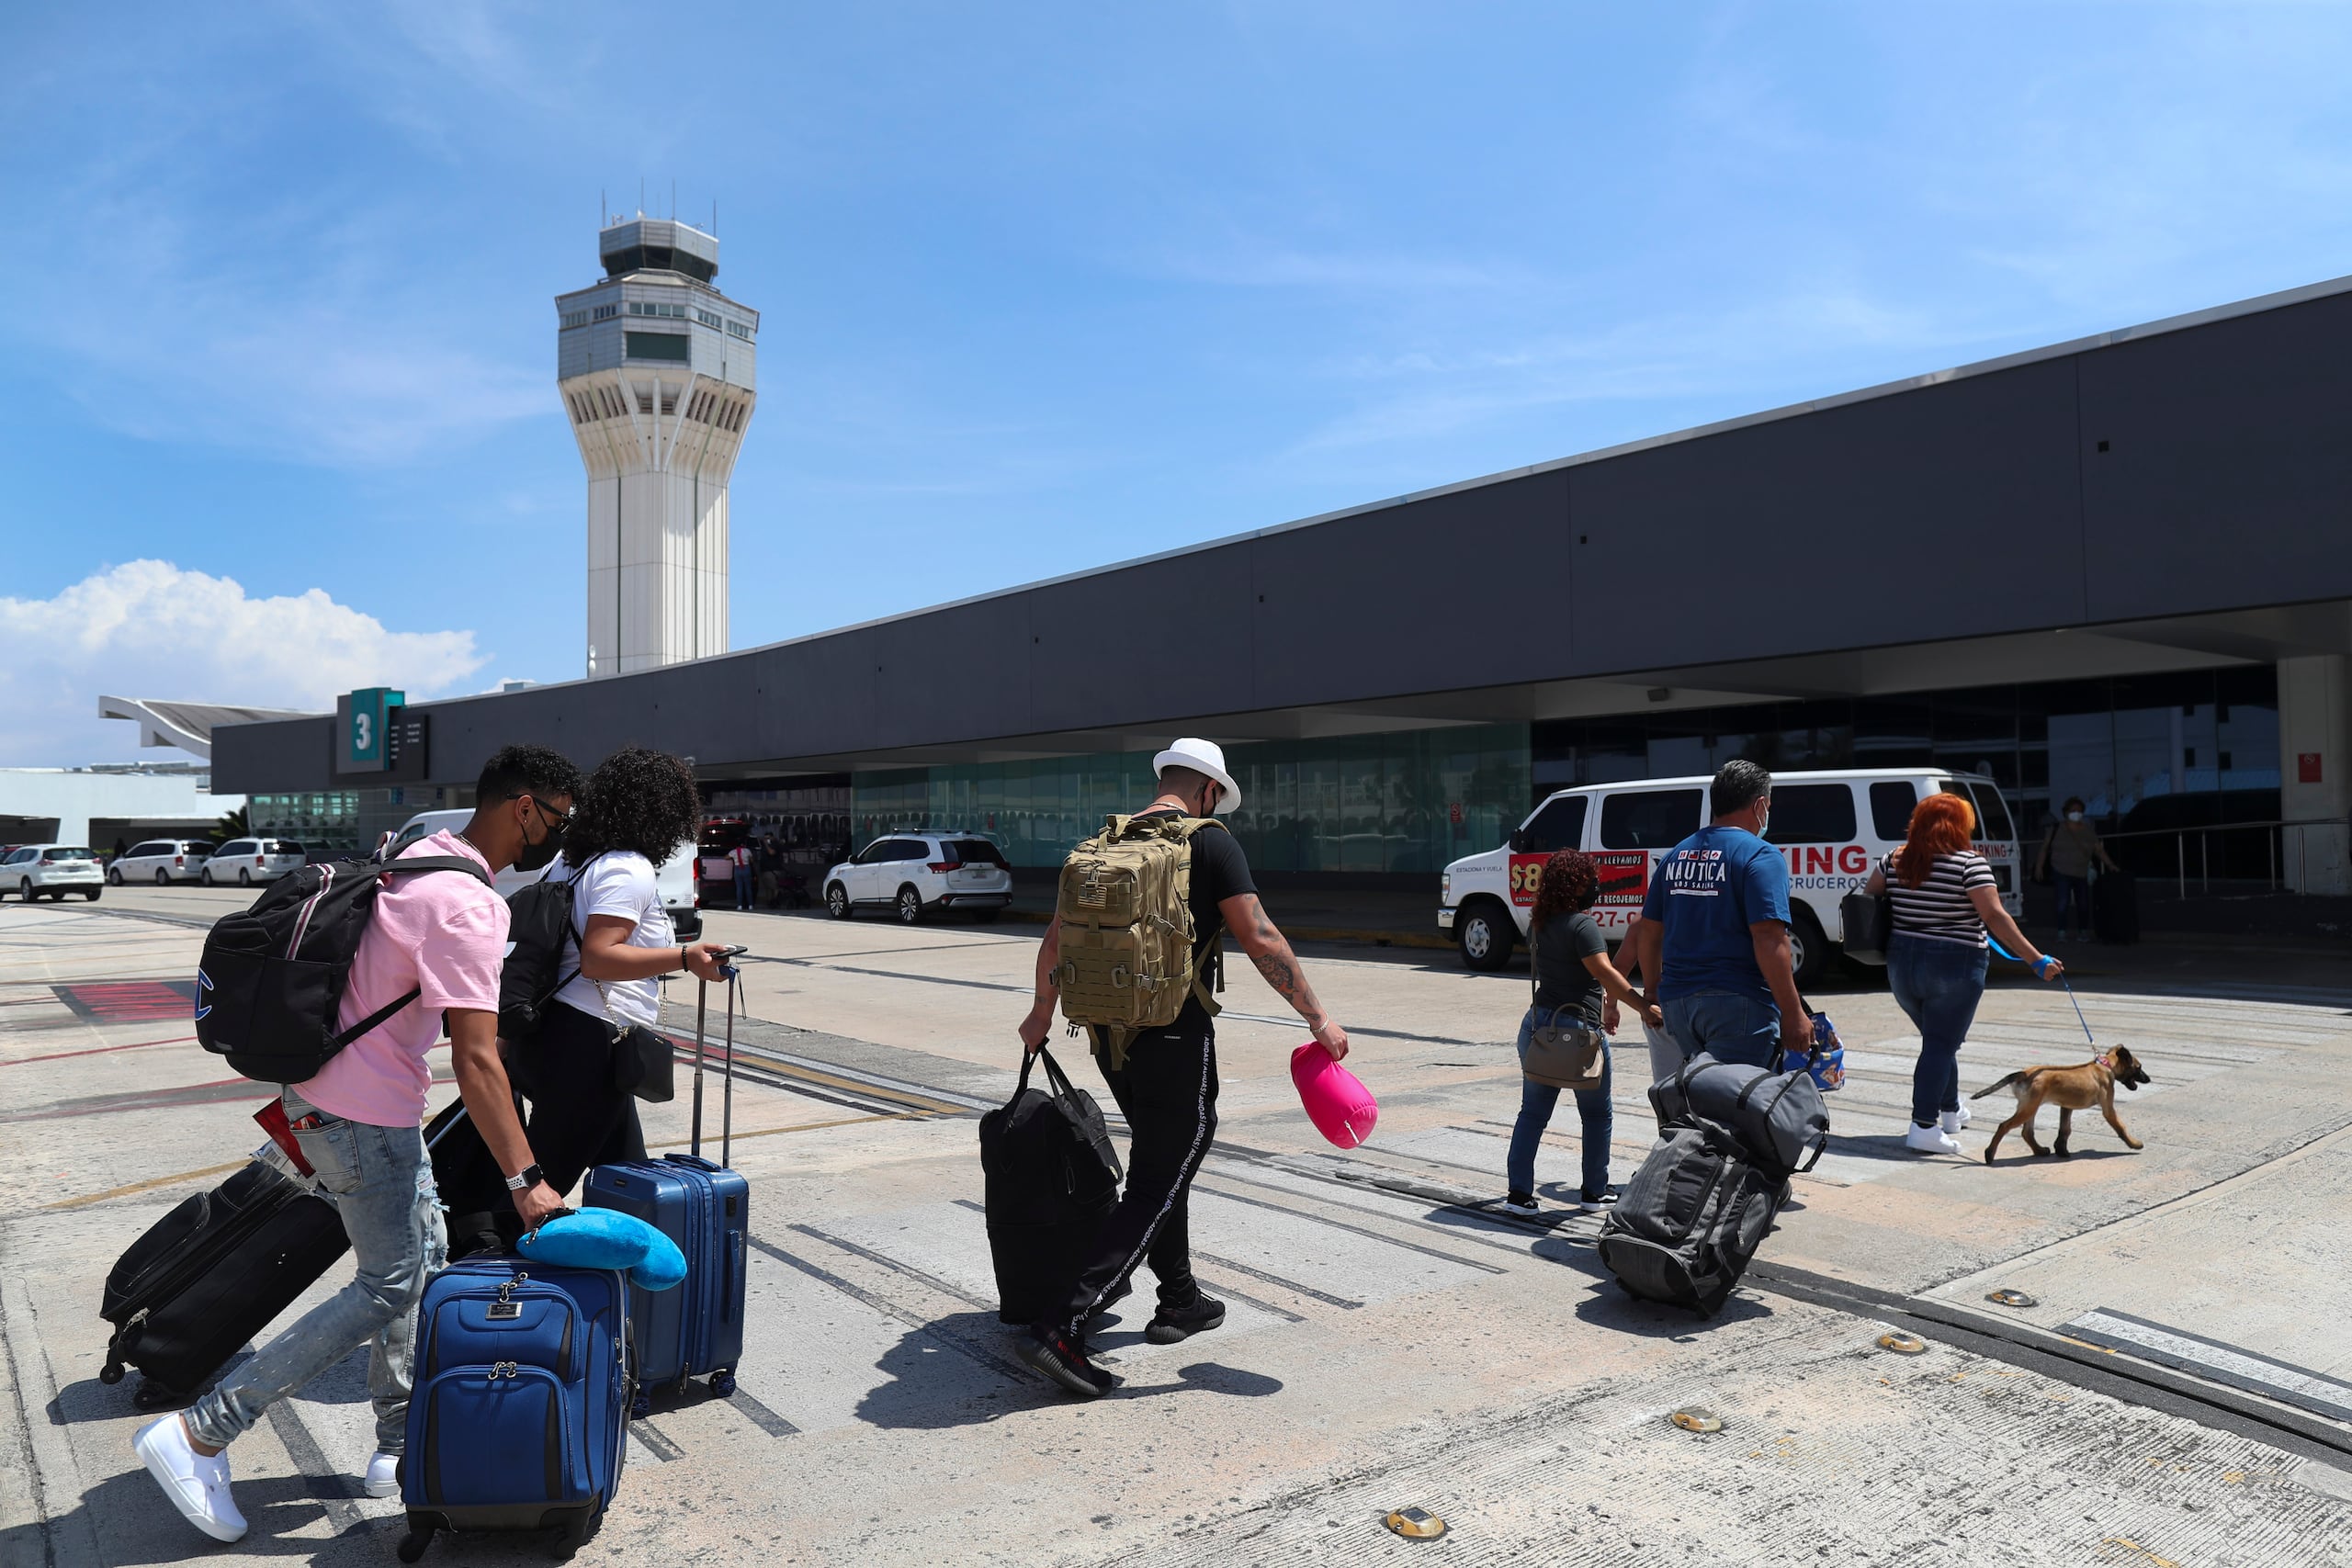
<point>1714,938</point>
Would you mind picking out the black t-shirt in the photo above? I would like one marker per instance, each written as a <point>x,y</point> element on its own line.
<point>1561,978</point>
<point>1220,870</point>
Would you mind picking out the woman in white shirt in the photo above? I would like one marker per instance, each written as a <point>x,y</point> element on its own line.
<point>634,812</point>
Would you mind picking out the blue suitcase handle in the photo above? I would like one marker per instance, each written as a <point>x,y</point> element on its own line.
<point>694,1162</point>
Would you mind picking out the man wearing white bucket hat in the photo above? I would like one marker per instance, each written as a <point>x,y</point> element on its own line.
<point>1165,1078</point>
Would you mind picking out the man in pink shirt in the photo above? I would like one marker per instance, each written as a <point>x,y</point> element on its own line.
<point>440,937</point>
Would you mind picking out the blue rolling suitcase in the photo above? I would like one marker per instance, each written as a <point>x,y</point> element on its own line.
<point>698,1329</point>
<point>520,1414</point>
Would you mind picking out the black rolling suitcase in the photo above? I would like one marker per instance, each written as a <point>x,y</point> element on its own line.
<point>1052,1178</point>
<point>2115,908</point>
<point>211,1274</point>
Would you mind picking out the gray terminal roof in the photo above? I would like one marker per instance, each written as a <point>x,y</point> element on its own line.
<point>2169,494</point>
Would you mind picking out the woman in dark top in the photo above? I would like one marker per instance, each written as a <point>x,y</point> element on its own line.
<point>1575,984</point>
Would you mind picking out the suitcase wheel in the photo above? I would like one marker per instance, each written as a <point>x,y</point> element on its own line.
<point>111,1373</point>
<point>722,1382</point>
<point>412,1544</point>
<point>640,1405</point>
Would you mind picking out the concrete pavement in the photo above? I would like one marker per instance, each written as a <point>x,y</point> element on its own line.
<point>1391,1343</point>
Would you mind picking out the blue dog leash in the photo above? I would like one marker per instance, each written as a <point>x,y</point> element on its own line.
<point>2062,980</point>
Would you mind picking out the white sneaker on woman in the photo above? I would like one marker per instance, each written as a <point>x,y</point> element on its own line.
<point>1929,1141</point>
<point>196,1484</point>
<point>1951,1121</point>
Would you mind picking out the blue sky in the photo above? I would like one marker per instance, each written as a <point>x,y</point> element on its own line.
<point>1042,287</point>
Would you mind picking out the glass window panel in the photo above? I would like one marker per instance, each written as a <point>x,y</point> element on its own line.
<point>1558,826</point>
<point>1891,804</point>
<point>1649,818</point>
<point>1812,814</point>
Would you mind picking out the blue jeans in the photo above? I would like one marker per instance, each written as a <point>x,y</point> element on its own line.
<point>1536,1103</point>
<point>742,886</point>
<point>1938,984</point>
<point>2075,898</point>
<point>1728,1026</point>
<point>381,1185</point>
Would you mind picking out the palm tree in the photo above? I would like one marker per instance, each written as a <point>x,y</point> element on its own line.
<point>231,825</point>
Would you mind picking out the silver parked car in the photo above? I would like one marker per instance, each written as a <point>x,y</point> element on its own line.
<point>160,861</point>
<point>248,860</point>
<point>54,870</point>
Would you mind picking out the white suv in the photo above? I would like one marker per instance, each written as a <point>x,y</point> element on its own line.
<point>54,869</point>
<point>248,860</point>
<point>160,861</point>
<point>909,872</point>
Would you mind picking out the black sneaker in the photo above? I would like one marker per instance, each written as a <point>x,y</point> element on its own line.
<point>1592,1202</point>
<point>1519,1203</point>
<point>1127,1289</point>
<point>1053,1353</point>
<point>1175,1325</point>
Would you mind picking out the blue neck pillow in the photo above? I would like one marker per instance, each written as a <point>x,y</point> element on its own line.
<point>608,1239</point>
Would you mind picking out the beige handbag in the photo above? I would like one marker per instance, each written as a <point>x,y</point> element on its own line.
<point>1572,1055</point>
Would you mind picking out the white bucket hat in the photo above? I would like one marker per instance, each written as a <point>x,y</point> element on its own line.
<point>1202,756</point>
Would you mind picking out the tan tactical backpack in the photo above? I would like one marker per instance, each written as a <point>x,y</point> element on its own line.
<point>1125,912</point>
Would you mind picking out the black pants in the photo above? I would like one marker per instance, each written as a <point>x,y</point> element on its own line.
<point>1168,1093</point>
<point>579,1116</point>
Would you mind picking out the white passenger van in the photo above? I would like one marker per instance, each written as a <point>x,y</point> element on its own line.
<point>1833,827</point>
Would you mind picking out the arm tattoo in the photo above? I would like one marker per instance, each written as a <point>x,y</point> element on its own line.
<point>1283,975</point>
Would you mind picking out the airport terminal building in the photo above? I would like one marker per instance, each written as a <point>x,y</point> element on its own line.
<point>2119,569</point>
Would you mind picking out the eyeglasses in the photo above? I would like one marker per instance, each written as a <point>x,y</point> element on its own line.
<point>559,820</point>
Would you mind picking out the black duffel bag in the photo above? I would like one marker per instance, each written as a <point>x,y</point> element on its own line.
<point>1865,922</point>
<point>1051,1178</point>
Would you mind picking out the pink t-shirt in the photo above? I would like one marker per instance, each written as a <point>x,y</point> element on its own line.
<point>440,933</point>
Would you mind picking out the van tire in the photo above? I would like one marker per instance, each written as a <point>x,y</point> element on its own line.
<point>836,901</point>
<point>1812,952</point>
<point>909,906</point>
<point>1485,933</point>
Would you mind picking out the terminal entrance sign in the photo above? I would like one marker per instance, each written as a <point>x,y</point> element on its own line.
<point>363,720</point>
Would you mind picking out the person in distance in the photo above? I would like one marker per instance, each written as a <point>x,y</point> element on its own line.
<point>1165,1084</point>
<point>360,1124</point>
<point>1714,932</point>
<point>636,810</point>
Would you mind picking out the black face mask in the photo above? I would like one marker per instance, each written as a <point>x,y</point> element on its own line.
<point>533,857</point>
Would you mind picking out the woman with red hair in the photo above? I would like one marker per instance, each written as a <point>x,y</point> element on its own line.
<point>1944,900</point>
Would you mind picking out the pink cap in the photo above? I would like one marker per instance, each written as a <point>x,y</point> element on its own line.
<point>1336,1103</point>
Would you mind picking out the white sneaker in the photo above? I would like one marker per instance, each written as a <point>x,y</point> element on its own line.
<point>1953,1121</point>
<point>1929,1141</point>
<point>383,1476</point>
<point>1518,1203</point>
<point>197,1484</point>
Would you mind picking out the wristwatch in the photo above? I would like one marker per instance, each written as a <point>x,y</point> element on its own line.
<point>532,1176</point>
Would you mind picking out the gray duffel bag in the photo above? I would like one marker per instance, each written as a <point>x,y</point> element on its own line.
<point>1777,1117</point>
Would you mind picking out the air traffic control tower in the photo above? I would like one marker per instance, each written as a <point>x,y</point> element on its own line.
<point>655,365</point>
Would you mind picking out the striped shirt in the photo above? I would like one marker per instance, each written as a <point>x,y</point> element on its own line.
<point>1939,909</point>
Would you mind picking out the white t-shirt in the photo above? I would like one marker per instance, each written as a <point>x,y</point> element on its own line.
<point>620,883</point>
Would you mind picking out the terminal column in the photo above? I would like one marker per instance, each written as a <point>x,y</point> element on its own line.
<point>2315,773</point>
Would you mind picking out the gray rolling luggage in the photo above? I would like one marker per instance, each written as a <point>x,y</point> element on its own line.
<point>1685,1227</point>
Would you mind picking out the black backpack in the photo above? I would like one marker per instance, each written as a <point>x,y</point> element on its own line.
<point>269,987</point>
<point>538,928</point>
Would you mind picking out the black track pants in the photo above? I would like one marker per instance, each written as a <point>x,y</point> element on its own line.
<point>1168,1093</point>
<point>578,1118</point>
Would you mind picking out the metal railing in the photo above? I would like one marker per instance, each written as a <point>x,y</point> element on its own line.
<point>2272,829</point>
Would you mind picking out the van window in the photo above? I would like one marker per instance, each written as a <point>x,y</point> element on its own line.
<point>235,847</point>
<point>1812,814</point>
<point>1891,804</point>
<point>1559,826</point>
<point>1991,811</point>
<point>975,852</point>
<point>1649,818</point>
<point>199,847</point>
<point>284,847</point>
<point>149,848</point>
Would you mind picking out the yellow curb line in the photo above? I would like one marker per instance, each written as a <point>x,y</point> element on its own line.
<point>145,1186</point>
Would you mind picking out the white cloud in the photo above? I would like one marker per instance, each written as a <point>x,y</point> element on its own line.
<point>147,628</point>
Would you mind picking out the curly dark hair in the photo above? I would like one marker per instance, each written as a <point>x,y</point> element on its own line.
<point>637,799</point>
<point>1570,883</point>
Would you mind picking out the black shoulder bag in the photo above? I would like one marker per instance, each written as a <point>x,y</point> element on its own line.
<point>1569,1055</point>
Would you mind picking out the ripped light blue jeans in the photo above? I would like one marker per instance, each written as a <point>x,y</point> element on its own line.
<point>381,1185</point>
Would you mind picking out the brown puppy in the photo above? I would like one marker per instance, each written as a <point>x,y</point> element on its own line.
<point>2071,1089</point>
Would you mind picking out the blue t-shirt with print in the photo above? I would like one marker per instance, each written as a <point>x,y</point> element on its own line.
<point>1706,892</point>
